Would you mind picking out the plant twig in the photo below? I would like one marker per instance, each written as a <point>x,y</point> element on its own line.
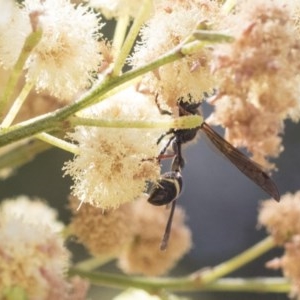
<point>236,262</point>
<point>119,34</point>
<point>58,142</point>
<point>185,284</point>
<point>53,120</point>
<point>31,41</point>
<point>184,122</point>
<point>10,116</point>
<point>93,263</point>
<point>130,39</point>
<point>201,280</point>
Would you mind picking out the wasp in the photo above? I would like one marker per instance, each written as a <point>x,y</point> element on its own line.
<point>169,186</point>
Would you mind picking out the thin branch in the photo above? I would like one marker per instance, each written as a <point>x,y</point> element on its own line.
<point>236,262</point>
<point>31,41</point>
<point>145,7</point>
<point>184,122</point>
<point>53,120</point>
<point>201,280</point>
<point>119,33</point>
<point>58,142</point>
<point>185,284</point>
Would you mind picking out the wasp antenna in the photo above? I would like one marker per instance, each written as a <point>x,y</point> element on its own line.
<point>165,239</point>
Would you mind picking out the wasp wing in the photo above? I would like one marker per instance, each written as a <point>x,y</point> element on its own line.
<point>242,162</point>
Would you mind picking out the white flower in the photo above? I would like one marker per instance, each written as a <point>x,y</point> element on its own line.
<point>114,164</point>
<point>68,52</point>
<point>32,257</point>
<point>133,294</point>
<point>116,8</point>
<point>173,22</point>
<point>14,28</point>
<point>32,211</point>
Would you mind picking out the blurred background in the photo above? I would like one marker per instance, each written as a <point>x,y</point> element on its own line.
<point>220,202</point>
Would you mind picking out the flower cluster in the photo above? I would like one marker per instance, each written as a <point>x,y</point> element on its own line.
<point>172,23</point>
<point>114,165</point>
<point>132,233</point>
<point>64,60</point>
<point>258,82</point>
<point>143,256</point>
<point>104,233</point>
<point>14,27</point>
<point>282,221</point>
<point>33,257</point>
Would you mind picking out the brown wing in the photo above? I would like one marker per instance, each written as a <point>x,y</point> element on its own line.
<point>242,162</point>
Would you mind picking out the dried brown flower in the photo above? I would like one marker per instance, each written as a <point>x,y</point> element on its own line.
<point>104,233</point>
<point>144,256</point>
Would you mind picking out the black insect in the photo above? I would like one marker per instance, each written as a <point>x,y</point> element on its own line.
<point>165,192</point>
<point>168,188</point>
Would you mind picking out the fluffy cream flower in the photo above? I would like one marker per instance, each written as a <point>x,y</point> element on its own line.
<point>33,211</point>
<point>258,86</point>
<point>68,52</point>
<point>116,8</point>
<point>136,294</point>
<point>32,257</point>
<point>114,164</point>
<point>282,219</point>
<point>171,24</point>
<point>14,28</point>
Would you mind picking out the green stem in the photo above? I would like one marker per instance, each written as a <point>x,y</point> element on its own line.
<point>10,116</point>
<point>251,285</point>
<point>119,34</point>
<point>213,36</point>
<point>228,6</point>
<point>184,284</point>
<point>184,122</point>
<point>57,142</point>
<point>53,120</point>
<point>20,154</point>
<point>202,280</point>
<point>31,41</point>
<point>236,262</point>
<point>131,37</point>
<point>93,263</point>
<point>14,293</point>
